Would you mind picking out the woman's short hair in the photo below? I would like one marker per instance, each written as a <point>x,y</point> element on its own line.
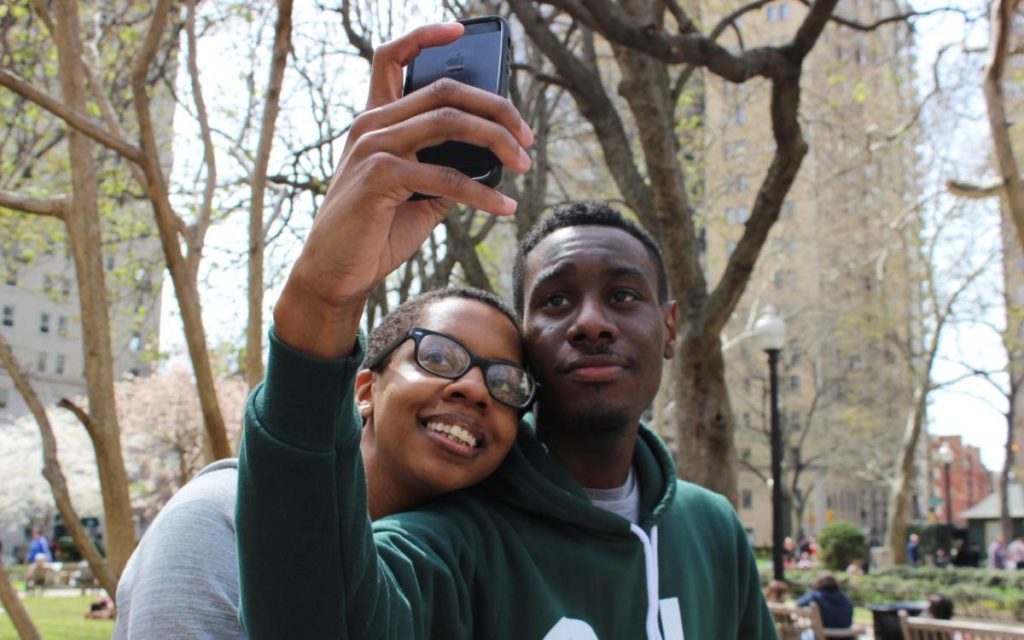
<point>406,315</point>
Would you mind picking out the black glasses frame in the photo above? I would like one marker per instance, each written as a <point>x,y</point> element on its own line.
<point>418,333</point>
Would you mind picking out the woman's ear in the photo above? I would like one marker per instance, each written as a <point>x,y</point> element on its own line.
<point>365,380</point>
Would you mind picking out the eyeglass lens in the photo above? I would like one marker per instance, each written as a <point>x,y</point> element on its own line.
<point>446,358</point>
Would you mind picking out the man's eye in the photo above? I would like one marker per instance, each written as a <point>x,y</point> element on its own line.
<point>555,301</point>
<point>624,295</point>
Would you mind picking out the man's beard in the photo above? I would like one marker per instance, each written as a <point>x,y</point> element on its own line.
<point>594,420</point>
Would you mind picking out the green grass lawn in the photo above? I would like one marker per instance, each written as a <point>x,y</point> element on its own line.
<point>60,619</point>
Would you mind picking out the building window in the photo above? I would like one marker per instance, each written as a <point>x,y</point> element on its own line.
<point>794,383</point>
<point>8,319</point>
<point>783,12</point>
<point>788,209</point>
<point>110,263</point>
<point>44,323</point>
<point>58,365</point>
<point>135,344</point>
<point>741,184</point>
<point>62,326</point>
<point>771,14</point>
<point>41,362</point>
<point>747,499</point>
<point>740,114</point>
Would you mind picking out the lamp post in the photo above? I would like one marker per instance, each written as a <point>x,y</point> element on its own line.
<point>944,454</point>
<point>771,333</point>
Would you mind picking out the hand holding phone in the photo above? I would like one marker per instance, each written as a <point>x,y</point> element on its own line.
<point>480,58</point>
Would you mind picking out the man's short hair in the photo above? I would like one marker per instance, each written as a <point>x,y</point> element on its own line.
<point>579,214</point>
<point>409,312</point>
<point>826,582</point>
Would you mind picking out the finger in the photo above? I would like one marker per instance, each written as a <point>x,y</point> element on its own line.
<point>452,93</point>
<point>450,184</point>
<point>441,125</point>
<point>390,57</point>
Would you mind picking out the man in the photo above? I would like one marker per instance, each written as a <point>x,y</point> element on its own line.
<point>913,550</point>
<point>584,531</point>
<point>1015,553</point>
<point>181,580</point>
<point>39,545</point>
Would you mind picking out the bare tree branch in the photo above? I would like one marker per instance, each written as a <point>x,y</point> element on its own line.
<point>79,121</point>
<point>54,474</point>
<point>51,207</point>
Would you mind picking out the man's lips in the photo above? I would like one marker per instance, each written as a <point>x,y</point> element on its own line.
<point>602,368</point>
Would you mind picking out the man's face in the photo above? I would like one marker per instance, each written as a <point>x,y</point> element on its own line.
<point>595,332</point>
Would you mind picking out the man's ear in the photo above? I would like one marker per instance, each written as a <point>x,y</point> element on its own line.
<point>365,380</point>
<point>669,311</point>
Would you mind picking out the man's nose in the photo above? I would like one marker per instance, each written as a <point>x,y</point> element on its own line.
<point>470,387</point>
<point>593,323</point>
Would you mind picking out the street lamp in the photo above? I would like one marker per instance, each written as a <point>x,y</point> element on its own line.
<point>771,333</point>
<point>944,455</point>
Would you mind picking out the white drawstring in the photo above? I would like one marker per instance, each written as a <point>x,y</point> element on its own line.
<point>651,562</point>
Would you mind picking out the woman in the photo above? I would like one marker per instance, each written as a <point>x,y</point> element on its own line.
<point>440,393</point>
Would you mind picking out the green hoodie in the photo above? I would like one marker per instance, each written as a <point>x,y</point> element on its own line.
<point>524,555</point>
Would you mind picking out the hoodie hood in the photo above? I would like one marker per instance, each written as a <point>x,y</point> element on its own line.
<point>531,479</point>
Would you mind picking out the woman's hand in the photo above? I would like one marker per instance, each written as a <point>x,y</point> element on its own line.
<point>366,226</point>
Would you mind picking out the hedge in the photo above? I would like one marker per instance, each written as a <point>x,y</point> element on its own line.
<point>976,593</point>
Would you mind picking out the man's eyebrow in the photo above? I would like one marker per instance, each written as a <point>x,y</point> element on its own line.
<point>568,268</point>
<point>551,273</point>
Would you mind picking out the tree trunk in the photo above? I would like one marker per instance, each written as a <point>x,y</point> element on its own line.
<point>258,185</point>
<point>86,248</point>
<point>182,275</point>
<point>1005,522</point>
<point>704,417</point>
<point>999,123</point>
<point>899,499</point>
<point>53,473</point>
<point>15,609</point>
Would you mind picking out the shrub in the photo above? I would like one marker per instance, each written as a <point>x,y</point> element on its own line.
<point>840,543</point>
<point>976,593</point>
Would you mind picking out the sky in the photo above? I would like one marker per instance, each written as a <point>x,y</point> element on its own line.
<point>969,409</point>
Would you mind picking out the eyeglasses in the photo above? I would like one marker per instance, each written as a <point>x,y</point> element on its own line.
<point>445,357</point>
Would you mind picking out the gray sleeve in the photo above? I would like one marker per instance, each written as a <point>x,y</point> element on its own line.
<point>182,580</point>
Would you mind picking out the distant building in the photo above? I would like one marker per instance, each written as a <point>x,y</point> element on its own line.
<point>840,264</point>
<point>982,519</point>
<point>969,480</point>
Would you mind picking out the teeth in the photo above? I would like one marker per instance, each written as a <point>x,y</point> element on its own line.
<point>453,432</point>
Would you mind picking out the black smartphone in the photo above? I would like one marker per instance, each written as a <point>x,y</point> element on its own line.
<point>481,58</point>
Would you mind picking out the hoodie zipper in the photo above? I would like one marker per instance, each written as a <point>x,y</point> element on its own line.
<point>650,545</point>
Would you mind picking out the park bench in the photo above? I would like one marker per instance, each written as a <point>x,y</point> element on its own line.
<point>931,629</point>
<point>791,621</point>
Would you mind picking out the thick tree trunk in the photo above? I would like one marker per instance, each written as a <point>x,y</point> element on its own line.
<point>12,604</point>
<point>999,122</point>
<point>899,499</point>
<point>86,248</point>
<point>704,418</point>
